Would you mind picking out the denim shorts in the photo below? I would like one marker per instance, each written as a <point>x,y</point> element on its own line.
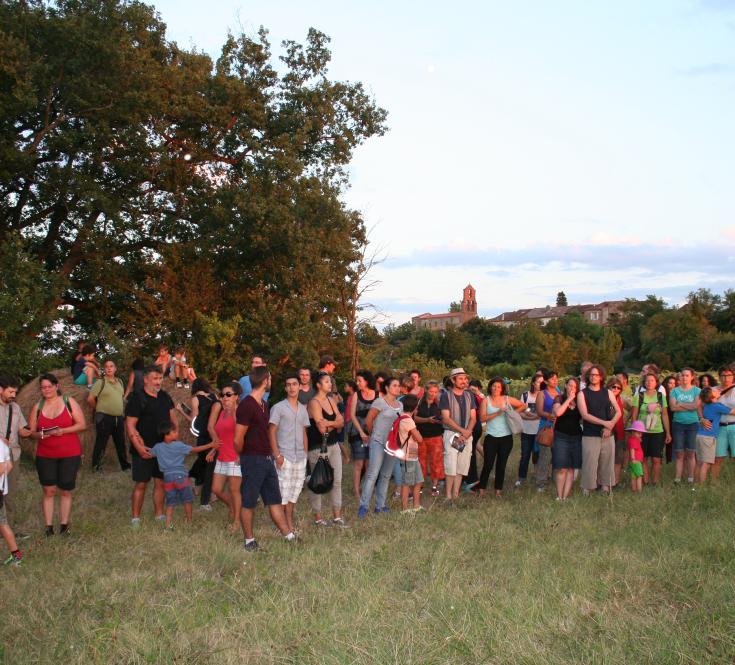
<point>726,440</point>
<point>683,437</point>
<point>259,478</point>
<point>566,453</point>
<point>360,451</point>
<point>178,489</point>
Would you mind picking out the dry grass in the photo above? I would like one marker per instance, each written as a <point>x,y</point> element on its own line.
<point>631,579</point>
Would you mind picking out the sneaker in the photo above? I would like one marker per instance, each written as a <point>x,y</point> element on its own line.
<point>397,494</point>
<point>449,503</point>
<point>178,384</point>
<point>14,560</point>
<point>518,483</point>
<point>541,488</point>
<point>434,490</point>
<point>64,530</point>
<point>206,507</point>
<point>558,498</point>
<point>98,470</point>
<point>689,480</point>
<point>160,518</point>
<point>362,513</point>
<point>168,528</point>
<point>252,546</point>
<point>49,531</point>
<point>135,523</point>
<point>187,385</point>
<point>585,492</point>
<point>323,523</point>
<point>384,509</point>
<point>340,522</point>
<point>468,487</point>
<point>419,509</point>
<point>408,511</point>
<point>126,467</point>
<point>677,481</point>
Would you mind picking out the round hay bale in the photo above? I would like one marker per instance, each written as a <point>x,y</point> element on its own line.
<point>30,394</point>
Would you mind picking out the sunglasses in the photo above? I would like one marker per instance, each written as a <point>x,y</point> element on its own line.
<point>617,388</point>
<point>228,394</point>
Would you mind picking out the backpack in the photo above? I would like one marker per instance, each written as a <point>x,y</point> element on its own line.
<point>393,445</point>
<point>640,394</point>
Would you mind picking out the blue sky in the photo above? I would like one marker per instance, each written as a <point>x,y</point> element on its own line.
<point>534,146</point>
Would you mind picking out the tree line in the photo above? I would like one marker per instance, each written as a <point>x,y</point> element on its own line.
<point>699,334</point>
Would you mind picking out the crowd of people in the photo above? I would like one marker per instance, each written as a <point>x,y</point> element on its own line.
<point>400,429</point>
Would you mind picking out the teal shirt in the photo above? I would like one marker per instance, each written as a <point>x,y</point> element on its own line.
<point>497,426</point>
<point>685,397</point>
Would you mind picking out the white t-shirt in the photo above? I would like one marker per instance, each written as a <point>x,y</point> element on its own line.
<point>729,401</point>
<point>4,457</point>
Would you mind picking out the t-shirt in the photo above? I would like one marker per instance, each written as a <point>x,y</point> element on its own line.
<point>653,408</point>
<point>464,417</point>
<point>569,422</point>
<point>255,417</point>
<point>685,397</point>
<point>151,412</point>
<point>384,420</point>
<point>713,412</point>
<point>78,367</point>
<point>305,396</point>
<point>5,456</point>
<point>171,456</point>
<point>529,426</point>
<point>426,410</point>
<point>728,399</point>
<point>17,423</point>
<point>109,396</point>
<point>291,424</point>
<point>247,388</point>
<point>405,427</point>
<point>634,449</point>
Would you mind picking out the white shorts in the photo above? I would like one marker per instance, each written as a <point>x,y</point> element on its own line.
<point>291,478</point>
<point>456,463</point>
<point>228,469</point>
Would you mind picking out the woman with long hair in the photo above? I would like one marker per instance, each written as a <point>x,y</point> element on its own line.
<point>498,436</point>
<point>566,453</point>
<point>651,406</point>
<point>359,406</point>
<point>544,409</point>
<point>55,422</point>
<point>325,422</point>
<point>221,428</point>
<point>529,447</point>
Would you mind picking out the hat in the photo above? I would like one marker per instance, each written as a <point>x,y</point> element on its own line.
<point>457,371</point>
<point>637,426</point>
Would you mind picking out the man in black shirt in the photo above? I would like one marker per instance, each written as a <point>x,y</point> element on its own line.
<point>144,413</point>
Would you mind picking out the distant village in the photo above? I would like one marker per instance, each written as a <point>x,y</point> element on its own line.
<point>598,314</point>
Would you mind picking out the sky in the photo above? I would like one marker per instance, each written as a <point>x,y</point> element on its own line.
<point>533,147</point>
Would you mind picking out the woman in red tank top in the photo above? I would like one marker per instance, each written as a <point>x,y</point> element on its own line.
<point>55,422</point>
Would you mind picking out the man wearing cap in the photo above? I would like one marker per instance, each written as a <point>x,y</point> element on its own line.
<point>459,416</point>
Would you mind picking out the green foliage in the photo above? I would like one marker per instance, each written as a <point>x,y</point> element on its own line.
<point>486,339</point>
<point>215,345</point>
<point>561,299</point>
<point>574,325</point>
<point>675,338</point>
<point>26,300</point>
<point>455,307</point>
<point>634,314</point>
<point>721,349</point>
<point>524,342</point>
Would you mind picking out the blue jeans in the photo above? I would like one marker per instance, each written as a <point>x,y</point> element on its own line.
<point>380,469</point>
<point>528,446</point>
<point>683,437</point>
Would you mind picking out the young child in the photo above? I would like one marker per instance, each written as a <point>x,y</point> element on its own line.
<point>171,453</point>
<point>6,465</point>
<point>411,479</point>
<point>180,368</point>
<point>635,454</point>
<point>86,368</point>
<point>164,360</point>
<point>712,410</point>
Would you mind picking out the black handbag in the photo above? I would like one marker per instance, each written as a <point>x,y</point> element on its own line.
<point>321,479</point>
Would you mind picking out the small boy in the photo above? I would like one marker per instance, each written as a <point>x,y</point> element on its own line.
<point>635,454</point>
<point>171,453</point>
<point>712,410</point>
<point>411,478</point>
<point>6,465</point>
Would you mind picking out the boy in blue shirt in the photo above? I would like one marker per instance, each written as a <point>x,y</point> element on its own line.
<point>712,411</point>
<point>171,454</point>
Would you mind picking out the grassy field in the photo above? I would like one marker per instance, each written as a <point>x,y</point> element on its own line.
<point>627,579</point>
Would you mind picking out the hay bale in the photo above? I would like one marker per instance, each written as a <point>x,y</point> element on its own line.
<point>30,394</point>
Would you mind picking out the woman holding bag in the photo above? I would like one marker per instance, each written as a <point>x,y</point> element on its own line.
<point>566,454</point>
<point>544,405</point>
<point>499,436</point>
<point>325,422</point>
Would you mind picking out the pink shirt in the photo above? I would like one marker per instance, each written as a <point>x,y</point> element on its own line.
<point>225,428</point>
<point>635,450</point>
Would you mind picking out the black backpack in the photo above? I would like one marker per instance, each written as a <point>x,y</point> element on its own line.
<point>199,424</point>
